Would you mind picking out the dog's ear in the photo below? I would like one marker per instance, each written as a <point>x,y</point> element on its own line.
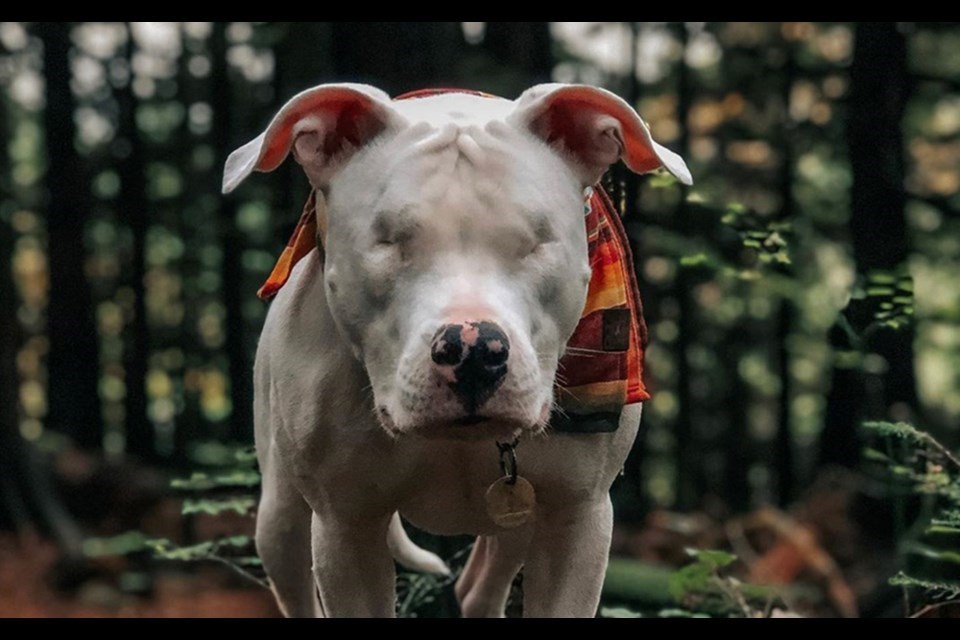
<point>324,126</point>
<point>594,128</point>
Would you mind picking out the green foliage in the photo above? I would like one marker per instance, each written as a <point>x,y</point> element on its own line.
<point>119,545</point>
<point>934,589</point>
<point>931,470</point>
<point>703,586</point>
<point>700,589</point>
<point>235,552</point>
<point>416,592</point>
<point>767,239</point>
<point>241,505</point>
<point>200,481</point>
<point>618,612</point>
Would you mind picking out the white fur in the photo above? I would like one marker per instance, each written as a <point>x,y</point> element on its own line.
<point>445,209</point>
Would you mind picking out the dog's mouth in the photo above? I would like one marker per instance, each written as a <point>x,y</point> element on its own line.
<point>470,420</point>
<point>471,426</point>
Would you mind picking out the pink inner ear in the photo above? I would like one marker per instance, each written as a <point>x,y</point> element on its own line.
<point>352,120</point>
<point>583,131</point>
<point>597,130</point>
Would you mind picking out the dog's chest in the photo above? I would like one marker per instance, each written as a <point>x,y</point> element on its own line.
<point>443,493</point>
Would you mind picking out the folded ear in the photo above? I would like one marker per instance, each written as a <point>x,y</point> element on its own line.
<point>324,125</point>
<point>595,128</point>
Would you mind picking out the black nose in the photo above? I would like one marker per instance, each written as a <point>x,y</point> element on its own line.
<point>478,353</point>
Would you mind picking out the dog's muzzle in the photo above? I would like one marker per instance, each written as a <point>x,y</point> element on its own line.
<point>472,358</point>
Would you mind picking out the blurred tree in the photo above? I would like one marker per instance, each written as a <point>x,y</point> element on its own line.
<point>397,56</point>
<point>72,365</point>
<point>12,507</point>
<point>27,497</point>
<point>240,366</point>
<point>304,59</point>
<point>785,460</point>
<point>689,467</point>
<point>133,205</point>
<point>523,46</point>
<point>878,235</point>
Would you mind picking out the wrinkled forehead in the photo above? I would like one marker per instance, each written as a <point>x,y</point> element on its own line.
<point>459,150</point>
<point>460,108</point>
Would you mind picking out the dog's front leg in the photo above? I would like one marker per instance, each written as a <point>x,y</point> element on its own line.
<point>352,567</point>
<point>568,556</point>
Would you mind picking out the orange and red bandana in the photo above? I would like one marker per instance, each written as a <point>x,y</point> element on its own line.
<point>602,369</point>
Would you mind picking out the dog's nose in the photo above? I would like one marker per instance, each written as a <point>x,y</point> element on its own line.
<point>477,352</point>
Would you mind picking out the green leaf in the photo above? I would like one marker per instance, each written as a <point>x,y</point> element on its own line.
<point>120,545</point>
<point>681,613</point>
<point>938,589</point>
<point>736,208</point>
<point>204,482</point>
<point>942,529</point>
<point>696,260</point>
<point>880,277</point>
<point>874,455</point>
<point>711,557</point>
<point>880,291</point>
<point>691,579</point>
<point>242,505</point>
<point>941,555</point>
<point>618,612</point>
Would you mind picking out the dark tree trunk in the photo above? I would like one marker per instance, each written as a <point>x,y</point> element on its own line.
<point>397,56</point>
<point>689,467</point>
<point>13,511</point>
<point>133,208</point>
<point>625,193</point>
<point>784,460</point>
<point>72,366</point>
<point>304,59</point>
<point>878,91</point>
<point>524,46</point>
<point>240,367</point>
<point>27,497</point>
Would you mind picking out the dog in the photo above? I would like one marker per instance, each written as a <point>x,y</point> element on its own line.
<point>424,328</point>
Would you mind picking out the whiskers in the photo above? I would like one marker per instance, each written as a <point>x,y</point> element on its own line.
<point>583,352</point>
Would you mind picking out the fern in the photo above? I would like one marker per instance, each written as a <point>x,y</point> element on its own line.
<point>932,470</point>
<point>935,589</point>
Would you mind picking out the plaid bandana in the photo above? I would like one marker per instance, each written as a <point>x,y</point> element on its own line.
<point>602,369</point>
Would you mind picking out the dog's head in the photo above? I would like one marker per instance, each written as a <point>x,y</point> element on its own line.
<point>456,255</point>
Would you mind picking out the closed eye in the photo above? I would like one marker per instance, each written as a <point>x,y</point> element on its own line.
<point>390,229</point>
<point>536,249</point>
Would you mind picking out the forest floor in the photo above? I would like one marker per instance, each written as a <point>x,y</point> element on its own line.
<point>28,570</point>
<point>821,553</point>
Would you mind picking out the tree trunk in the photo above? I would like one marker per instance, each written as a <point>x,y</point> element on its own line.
<point>133,208</point>
<point>304,59</point>
<point>72,366</point>
<point>27,496</point>
<point>784,460</point>
<point>878,91</point>
<point>689,473</point>
<point>524,46</point>
<point>240,367</point>
<point>12,507</point>
<point>397,56</point>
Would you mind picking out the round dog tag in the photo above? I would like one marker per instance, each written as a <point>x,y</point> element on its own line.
<point>511,504</point>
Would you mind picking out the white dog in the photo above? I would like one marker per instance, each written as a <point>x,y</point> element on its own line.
<point>453,269</point>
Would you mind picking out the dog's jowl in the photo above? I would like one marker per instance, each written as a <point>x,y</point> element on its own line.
<point>452,320</point>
